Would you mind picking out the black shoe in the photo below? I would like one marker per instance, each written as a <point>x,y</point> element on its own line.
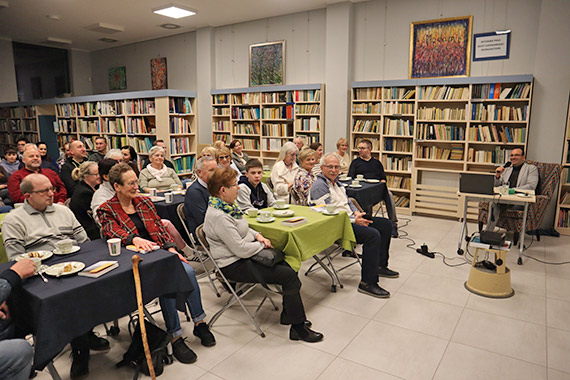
<point>395,230</point>
<point>347,253</point>
<point>306,334</point>
<point>80,364</point>
<point>203,332</point>
<point>373,290</point>
<point>97,343</point>
<point>182,352</point>
<point>385,272</point>
<point>284,320</point>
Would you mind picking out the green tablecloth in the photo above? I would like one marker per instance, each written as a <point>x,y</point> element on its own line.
<point>303,242</point>
<point>266,174</point>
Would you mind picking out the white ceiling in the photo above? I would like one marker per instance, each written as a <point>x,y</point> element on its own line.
<point>27,21</point>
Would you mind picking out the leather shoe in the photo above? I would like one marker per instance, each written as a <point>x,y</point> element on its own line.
<point>182,352</point>
<point>97,343</point>
<point>385,272</point>
<point>80,364</point>
<point>347,253</point>
<point>202,331</point>
<point>395,230</point>
<point>284,320</point>
<point>306,334</point>
<point>373,290</point>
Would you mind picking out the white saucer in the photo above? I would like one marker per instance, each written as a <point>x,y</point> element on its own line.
<point>42,255</point>
<point>372,180</point>
<point>283,213</point>
<point>345,178</point>
<point>271,219</point>
<point>355,186</point>
<point>331,213</point>
<point>74,249</point>
<point>282,208</point>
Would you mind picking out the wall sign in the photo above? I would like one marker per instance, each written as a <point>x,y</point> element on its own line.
<point>490,46</point>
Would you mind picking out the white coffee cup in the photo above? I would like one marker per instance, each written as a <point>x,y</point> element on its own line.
<point>114,246</point>
<point>331,209</point>
<point>360,177</point>
<point>168,197</point>
<point>265,215</point>
<point>37,263</point>
<point>252,212</point>
<point>355,183</point>
<point>152,192</point>
<point>64,246</point>
<point>280,203</point>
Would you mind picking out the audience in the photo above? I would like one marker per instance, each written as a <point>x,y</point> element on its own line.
<point>299,142</point>
<point>284,171</point>
<point>318,148</point>
<point>10,163</point>
<point>88,176</point>
<point>239,157</point>
<point>21,144</point>
<point>105,191</point>
<point>78,156</point>
<point>161,144</point>
<point>47,162</point>
<point>343,156</point>
<point>5,200</point>
<point>373,234</point>
<point>64,154</point>
<point>196,198</point>
<point>208,151</point>
<point>304,178</point>
<point>130,157</point>
<point>100,149</point>
<point>157,175</point>
<point>252,192</point>
<point>224,158</point>
<point>232,242</point>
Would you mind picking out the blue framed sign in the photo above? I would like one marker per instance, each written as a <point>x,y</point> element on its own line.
<point>491,46</point>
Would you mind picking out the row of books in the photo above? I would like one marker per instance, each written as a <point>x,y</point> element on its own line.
<point>565,176</point>
<point>308,139</point>
<point>89,142</point>
<point>221,125</point>
<point>64,126</point>
<point>87,109</point>
<point>91,126</point>
<point>180,125</point>
<point>181,105</point>
<point>180,145</point>
<point>28,111</point>
<point>401,201</point>
<point>312,124</point>
<point>435,113</point>
<point>398,127</point>
<point>497,133</point>
<point>494,156</point>
<point>398,93</point>
<point>308,108</point>
<point>307,96</point>
<point>222,137</point>
<point>246,98</point>
<point>113,126</point>
<point>13,112</point>
<point>444,93</point>
<point>65,110</point>
<point>141,144</point>
<point>140,106</point>
<point>273,144</point>
<point>568,152</point>
<point>398,182</point>
<point>398,108</point>
<point>455,153</point>
<point>140,125</point>
<point>565,198</point>
<point>183,164</point>
<point>375,143</point>
<point>397,163</point>
<point>283,112</point>
<point>220,99</point>
<point>491,112</point>
<point>440,132</point>
<point>29,125</point>
<point>366,108</point>
<point>221,111</point>
<point>278,130</point>
<point>398,145</point>
<point>564,218</point>
<point>250,144</point>
<point>248,128</point>
<point>245,113</point>
<point>277,97</point>
<point>372,93</point>
<point>365,126</point>
<point>499,91</point>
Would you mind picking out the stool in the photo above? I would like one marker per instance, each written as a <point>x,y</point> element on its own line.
<point>486,282</point>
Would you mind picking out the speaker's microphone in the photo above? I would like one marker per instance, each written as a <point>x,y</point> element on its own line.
<point>507,164</point>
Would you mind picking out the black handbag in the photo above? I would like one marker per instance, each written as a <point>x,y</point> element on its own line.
<point>268,257</point>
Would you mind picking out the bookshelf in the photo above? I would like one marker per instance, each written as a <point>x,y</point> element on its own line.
<point>562,222</point>
<point>264,118</point>
<point>19,120</point>
<point>427,131</point>
<point>133,118</point>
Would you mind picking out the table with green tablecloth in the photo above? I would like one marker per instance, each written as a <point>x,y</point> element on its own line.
<point>305,241</point>
<point>266,174</point>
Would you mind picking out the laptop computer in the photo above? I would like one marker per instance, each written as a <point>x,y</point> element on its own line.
<point>476,183</point>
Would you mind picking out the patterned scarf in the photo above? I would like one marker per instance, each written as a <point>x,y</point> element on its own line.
<point>231,209</point>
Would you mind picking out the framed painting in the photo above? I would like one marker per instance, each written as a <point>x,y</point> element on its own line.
<point>440,48</point>
<point>267,63</point>
<point>158,73</point>
<point>118,78</point>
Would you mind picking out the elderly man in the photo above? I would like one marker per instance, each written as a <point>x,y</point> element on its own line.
<point>299,142</point>
<point>78,155</point>
<point>32,164</point>
<point>373,234</point>
<point>196,199</point>
<point>100,149</point>
<point>372,168</point>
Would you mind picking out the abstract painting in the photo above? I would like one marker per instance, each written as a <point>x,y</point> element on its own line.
<point>440,48</point>
<point>118,78</point>
<point>267,63</point>
<point>158,73</point>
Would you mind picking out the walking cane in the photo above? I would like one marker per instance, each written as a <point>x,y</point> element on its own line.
<point>136,260</point>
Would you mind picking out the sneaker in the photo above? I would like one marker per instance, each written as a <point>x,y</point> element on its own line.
<point>385,272</point>
<point>96,343</point>
<point>305,334</point>
<point>202,331</point>
<point>80,364</point>
<point>182,352</point>
<point>373,290</point>
<point>395,230</point>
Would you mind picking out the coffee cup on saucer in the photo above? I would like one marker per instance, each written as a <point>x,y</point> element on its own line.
<point>360,177</point>
<point>355,183</point>
<point>252,212</point>
<point>264,215</point>
<point>64,246</point>
<point>280,203</point>
<point>331,209</point>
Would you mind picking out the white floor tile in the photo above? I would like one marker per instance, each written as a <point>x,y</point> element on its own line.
<point>557,375</point>
<point>341,369</point>
<point>525,307</point>
<point>436,288</point>
<point>558,288</point>
<point>559,349</point>
<point>210,376</point>
<point>557,314</point>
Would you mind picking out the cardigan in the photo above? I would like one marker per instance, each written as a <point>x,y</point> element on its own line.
<point>80,204</point>
<point>281,177</point>
<point>147,180</point>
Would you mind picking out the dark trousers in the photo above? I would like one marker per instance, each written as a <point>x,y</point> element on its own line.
<point>281,274</point>
<point>81,342</point>
<point>376,243</point>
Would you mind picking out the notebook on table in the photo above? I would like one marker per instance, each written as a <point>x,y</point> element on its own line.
<point>476,183</point>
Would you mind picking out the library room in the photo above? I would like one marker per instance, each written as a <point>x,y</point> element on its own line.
<point>317,190</point>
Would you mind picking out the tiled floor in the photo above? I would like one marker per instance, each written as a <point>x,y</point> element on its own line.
<point>431,327</point>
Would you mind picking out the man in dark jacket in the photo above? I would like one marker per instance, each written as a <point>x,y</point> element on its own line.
<point>196,199</point>
<point>78,155</point>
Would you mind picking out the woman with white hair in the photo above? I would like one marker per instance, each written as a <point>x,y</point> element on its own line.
<point>284,171</point>
<point>157,175</point>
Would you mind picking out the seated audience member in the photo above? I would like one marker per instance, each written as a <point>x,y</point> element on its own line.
<point>208,151</point>
<point>224,158</point>
<point>196,198</point>
<point>252,192</point>
<point>88,176</point>
<point>372,168</point>
<point>157,175</point>
<point>520,175</point>
<point>21,144</point>
<point>239,157</point>
<point>47,162</point>
<point>232,241</point>
<point>15,354</point>
<point>32,164</point>
<point>100,149</point>
<point>78,156</point>
<point>39,225</point>
<point>299,143</point>
<point>219,144</point>
<point>64,154</point>
<point>161,144</point>
<point>105,191</point>
<point>318,148</point>
<point>284,171</point>
<point>304,178</point>
<point>343,156</point>
<point>134,220</point>
<point>114,154</point>
<point>10,162</point>
<point>5,200</point>
<point>373,234</point>
<point>130,157</point>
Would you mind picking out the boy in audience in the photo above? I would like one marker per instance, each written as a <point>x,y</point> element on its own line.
<point>10,162</point>
<point>252,192</point>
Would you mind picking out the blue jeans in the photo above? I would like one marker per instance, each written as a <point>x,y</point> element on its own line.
<point>15,359</point>
<point>194,302</point>
<point>376,244</point>
<point>5,209</point>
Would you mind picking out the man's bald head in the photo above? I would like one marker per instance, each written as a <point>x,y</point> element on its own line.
<point>77,150</point>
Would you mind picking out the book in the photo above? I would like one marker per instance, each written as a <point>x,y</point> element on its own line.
<point>294,221</point>
<point>99,268</point>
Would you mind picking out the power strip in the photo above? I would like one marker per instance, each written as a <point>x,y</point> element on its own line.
<point>425,251</point>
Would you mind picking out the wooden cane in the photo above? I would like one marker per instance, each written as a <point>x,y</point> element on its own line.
<point>136,260</point>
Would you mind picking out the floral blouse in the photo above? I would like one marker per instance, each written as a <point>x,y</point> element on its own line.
<point>302,185</point>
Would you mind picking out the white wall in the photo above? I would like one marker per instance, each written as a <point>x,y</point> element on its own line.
<point>80,67</point>
<point>8,88</point>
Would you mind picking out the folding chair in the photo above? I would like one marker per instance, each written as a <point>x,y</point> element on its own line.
<point>237,290</point>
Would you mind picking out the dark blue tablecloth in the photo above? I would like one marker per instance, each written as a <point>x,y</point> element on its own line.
<point>368,195</point>
<point>168,211</point>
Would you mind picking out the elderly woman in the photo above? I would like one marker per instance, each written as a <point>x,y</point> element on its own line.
<point>130,157</point>
<point>343,157</point>
<point>304,178</point>
<point>284,171</point>
<point>134,220</point>
<point>157,175</point>
<point>318,148</point>
<point>239,158</point>
<point>232,243</point>
<point>224,158</point>
<point>88,176</point>
<point>208,151</point>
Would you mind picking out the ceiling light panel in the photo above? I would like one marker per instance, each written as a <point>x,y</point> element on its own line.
<point>102,27</point>
<point>174,11</point>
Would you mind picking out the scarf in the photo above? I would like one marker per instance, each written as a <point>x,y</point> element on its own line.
<point>231,209</point>
<point>158,174</point>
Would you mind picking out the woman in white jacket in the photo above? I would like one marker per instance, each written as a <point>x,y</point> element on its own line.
<point>284,171</point>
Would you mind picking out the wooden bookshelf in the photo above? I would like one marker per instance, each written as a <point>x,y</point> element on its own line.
<point>430,130</point>
<point>19,120</point>
<point>264,118</point>
<point>562,222</point>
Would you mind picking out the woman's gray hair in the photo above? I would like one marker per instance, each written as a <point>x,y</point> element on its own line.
<point>154,150</point>
<point>288,147</point>
<point>79,174</point>
<point>114,154</point>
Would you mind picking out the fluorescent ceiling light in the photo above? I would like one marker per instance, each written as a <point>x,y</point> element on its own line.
<point>174,11</point>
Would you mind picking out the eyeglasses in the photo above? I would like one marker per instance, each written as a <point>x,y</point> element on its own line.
<point>92,174</point>
<point>232,185</point>
<point>44,191</point>
<point>224,157</point>
<point>363,148</point>
<point>332,167</point>
<point>515,155</point>
<point>131,184</point>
